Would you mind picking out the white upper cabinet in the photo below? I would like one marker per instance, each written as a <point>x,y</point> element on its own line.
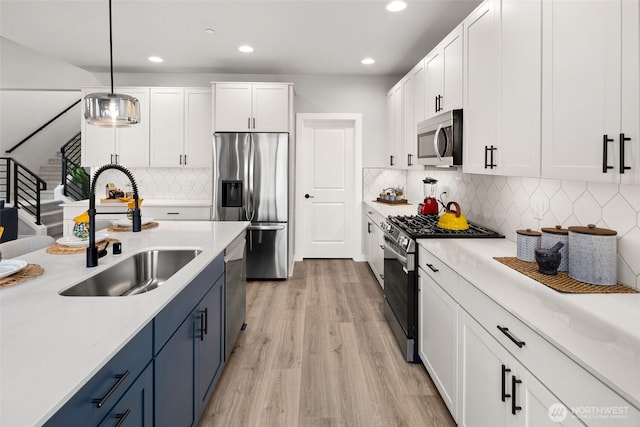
<point>413,111</point>
<point>481,86</point>
<point>181,133</point>
<point>198,130</point>
<point>394,126</point>
<point>591,90</point>
<point>127,146</point>
<point>251,107</point>
<point>443,67</point>
<point>502,85</point>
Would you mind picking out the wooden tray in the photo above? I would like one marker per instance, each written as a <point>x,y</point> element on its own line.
<point>393,202</point>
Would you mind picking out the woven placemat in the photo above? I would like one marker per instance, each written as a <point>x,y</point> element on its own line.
<point>30,271</point>
<point>59,249</point>
<point>115,227</point>
<point>562,282</point>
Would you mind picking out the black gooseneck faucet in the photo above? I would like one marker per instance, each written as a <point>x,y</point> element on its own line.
<point>92,250</point>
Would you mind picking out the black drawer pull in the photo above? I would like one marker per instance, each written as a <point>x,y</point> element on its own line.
<point>515,340</point>
<point>206,321</point>
<point>514,404</point>
<point>435,270</point>
<point>120,377</point>
<point>121,417</point>
<point>173,213</point>
<point>505,371</point>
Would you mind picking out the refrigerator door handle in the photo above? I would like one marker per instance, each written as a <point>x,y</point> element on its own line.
<point>266,227</point>
<point>252,162</point>
<point>247,188</point>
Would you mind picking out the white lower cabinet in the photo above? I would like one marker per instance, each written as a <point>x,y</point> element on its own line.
<point>496,390</point>
<point>492,369</point>
<point>438,338</point>
<point>374,244</point>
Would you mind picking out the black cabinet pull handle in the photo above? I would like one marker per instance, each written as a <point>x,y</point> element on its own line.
<point>436,100</point>
<point>432,268</point>
<point>121,418</point>
<point>391,160</point>
<point>307,196</point>
<point>120,379</point>
<point>505,371</point>
<point>515,340</point>
<point>605,143</point>
<point>409,162</point>
<point>382,247</point>
<point>369,227</point>
<point>248,122</point>
<point>623,139</point>
<point>201,329</point>
<point>514,404</point>
<point>180,158</point>
<point>206,321</point>
<point>486,154</point>
<point>254,122</point>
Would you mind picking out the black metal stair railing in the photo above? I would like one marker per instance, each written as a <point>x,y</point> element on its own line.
<point>21,183</point>
<point>75,179</point>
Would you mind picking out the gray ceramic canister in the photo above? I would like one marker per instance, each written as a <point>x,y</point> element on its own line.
<point>592,255</point>
<point>553,235</point>
<point>528,242</point>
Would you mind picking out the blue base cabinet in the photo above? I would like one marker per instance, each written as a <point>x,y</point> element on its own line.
<point>135,408</point>
<point>188,364</point>
<point>166,374</point>
<point>209,344</point>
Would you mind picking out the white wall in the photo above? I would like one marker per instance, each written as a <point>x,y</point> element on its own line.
<point>314,94</point>
<point>33,89</point>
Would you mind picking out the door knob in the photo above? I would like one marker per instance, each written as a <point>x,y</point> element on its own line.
<point>307,196</point>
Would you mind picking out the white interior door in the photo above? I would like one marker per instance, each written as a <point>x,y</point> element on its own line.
<point>329,199</point>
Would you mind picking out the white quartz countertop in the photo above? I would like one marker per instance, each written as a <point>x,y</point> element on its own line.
<point>51,345</point>
<point>386,209</point>
<point>600,332</point>
<point>148,202</point>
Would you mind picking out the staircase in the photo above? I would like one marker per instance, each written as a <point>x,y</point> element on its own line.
<point>50,210</point>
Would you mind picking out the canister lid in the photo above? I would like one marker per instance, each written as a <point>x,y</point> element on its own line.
<point>593,230</point>
<point>556,230</point>
<point>529,232</point>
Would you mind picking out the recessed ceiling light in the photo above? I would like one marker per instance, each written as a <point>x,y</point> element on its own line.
<point>396,6</point>
<point>245,48</point>
<point>155,59</point>
<point>209,30</point>
<point>368,61</point>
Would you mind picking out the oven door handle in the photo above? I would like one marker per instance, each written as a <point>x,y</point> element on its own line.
<point>389,246</point>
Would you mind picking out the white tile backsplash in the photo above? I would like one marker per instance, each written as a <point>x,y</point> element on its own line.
<point>507,204</point>
<point>162,183</point>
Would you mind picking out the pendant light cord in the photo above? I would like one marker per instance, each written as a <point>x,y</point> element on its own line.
<point>110,47</point>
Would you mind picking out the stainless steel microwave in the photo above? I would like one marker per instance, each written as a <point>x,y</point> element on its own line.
<point>440,140</point>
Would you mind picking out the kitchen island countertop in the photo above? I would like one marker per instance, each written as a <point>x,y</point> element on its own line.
<point>51,345</point>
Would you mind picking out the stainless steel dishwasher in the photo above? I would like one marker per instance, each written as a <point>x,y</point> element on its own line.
<point>235,293</point>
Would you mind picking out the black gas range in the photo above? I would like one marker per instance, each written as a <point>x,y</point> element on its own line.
<point>401,271</point>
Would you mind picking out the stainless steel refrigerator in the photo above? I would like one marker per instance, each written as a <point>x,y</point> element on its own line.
<point>250,183</point>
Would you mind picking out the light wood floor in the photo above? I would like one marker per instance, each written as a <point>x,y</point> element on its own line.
<point>318,352</point>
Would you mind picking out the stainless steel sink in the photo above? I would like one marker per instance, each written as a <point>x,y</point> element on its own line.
<point>141,272</point>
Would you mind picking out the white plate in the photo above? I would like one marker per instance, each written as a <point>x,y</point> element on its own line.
<point>124,222</point>
<point>74,241</point>
<point>11,266</point>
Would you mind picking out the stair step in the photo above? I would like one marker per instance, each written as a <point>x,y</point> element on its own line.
<point>55,229</point>
<point>49,169</point>
<point>51,217</point>
<point>57,161</point>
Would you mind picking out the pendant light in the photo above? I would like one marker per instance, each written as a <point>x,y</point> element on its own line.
<point>111,109</point>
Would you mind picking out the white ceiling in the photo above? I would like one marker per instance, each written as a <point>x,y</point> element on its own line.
<point>290,36</point>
